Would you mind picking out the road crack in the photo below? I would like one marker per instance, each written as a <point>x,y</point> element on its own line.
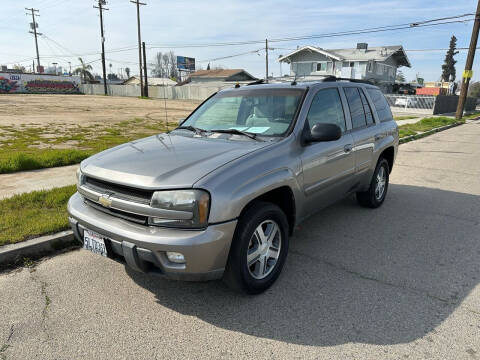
<point>371,278</point>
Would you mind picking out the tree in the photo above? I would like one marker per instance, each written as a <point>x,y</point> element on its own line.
<point>400,77</point>
<point>84,70</point>
<point>448,68</point>
<point>127,71</point>
<point>165,65</point>
<point>19,67</point>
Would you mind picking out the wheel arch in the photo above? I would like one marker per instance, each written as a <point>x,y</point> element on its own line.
<point>284,198</point>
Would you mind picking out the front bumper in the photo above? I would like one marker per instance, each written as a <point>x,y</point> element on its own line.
<point>143,248</point>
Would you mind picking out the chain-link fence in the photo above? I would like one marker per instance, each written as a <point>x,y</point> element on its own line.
<point>411,103</point>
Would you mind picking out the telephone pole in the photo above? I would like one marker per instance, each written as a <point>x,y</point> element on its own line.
<point>266,60</point>
<point>34,26</point>
<point>138,3</point>
<point>145,92</point>
<point>100,8</point>
<point>467,74</point>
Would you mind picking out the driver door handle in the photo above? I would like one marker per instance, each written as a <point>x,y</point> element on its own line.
<point>348,148</point>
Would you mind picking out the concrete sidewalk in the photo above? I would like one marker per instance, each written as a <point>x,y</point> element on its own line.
<point>44,179</point>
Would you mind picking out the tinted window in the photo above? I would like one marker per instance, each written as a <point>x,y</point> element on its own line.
<point>383,110</point>
<point>367,109</point>
<point>356,107</point>
<point>327,108</point>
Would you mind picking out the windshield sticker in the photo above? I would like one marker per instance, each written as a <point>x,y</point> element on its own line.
<point>239,128</point>
<point>258,129</point>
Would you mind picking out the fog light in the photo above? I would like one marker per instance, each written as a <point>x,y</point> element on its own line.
<point>175,257</point>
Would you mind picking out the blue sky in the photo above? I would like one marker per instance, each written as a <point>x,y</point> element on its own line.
<point>74,24</point>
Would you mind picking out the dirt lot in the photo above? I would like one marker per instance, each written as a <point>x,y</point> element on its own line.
<point>42,131</point>
<point>86,110</point>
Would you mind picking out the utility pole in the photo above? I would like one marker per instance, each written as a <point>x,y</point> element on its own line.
<point>100,8</point>
<point>138,3</point>
<point>266,60</point>
<point>34,26</point>
<point>467,74</point>
<point>145,92</point>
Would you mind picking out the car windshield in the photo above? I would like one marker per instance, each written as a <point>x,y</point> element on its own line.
<point>266,112</point>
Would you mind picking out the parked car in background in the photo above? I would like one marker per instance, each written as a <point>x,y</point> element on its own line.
<point>219,196</point>
<point>404,89</point>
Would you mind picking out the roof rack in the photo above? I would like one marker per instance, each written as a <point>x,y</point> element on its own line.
<point>256,82</point>
<point>334,78</point>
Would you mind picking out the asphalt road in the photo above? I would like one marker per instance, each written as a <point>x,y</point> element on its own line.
<point>398,282</point>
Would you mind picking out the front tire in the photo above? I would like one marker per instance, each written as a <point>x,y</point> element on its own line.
<point>259,249</point>
<point>376,193</point>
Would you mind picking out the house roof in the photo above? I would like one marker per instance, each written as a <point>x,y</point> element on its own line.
<point>379,53</point>
<point>151,81</point>
<point>221,73</point>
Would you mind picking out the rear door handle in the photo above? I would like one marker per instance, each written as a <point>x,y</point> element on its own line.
<point>348,148</point>
<point>379,136</point>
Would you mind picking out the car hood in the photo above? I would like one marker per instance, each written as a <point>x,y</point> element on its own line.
<point>167,160</point>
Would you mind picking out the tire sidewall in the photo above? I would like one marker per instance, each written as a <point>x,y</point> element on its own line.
<point>382,163</point>
<point>238,257</point>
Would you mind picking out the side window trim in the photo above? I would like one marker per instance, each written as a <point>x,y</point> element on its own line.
<point>373,108</point>
<point>346,109</point>
<point>363,126</point>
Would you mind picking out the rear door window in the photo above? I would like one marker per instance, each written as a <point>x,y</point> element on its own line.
<point>381,105</point>
<point>367,109</point>
<point>355,104</point>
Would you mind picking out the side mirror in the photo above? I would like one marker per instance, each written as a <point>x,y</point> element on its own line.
<point>324,132</point>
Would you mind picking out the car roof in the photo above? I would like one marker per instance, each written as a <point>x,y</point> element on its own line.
<point>298,85</point>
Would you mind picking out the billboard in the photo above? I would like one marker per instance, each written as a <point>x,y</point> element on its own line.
<point>38,84</point>
<point>185,63</point>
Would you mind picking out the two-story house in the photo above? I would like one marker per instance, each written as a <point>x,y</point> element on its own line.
<point>376,64</point>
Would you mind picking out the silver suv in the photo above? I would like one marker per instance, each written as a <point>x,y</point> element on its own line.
<point>219,196</point>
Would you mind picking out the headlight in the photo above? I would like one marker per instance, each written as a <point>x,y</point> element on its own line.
<point>80,177</point>
<point>183,208</point>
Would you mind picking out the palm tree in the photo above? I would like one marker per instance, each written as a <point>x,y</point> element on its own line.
<point>84,71</point>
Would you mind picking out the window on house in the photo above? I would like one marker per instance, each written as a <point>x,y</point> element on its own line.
<point>322,66</point>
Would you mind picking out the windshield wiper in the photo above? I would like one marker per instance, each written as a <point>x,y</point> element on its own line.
<point>194,129</point>
<point>236,132</point>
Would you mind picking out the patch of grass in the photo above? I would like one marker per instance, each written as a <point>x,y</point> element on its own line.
<point>471,116</point>
<point>27,148</point>
<point>425,124</point>
<point>405,117</point>
<point>26,216</point>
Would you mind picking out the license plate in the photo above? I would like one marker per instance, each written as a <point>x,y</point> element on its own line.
<point>94,242</point>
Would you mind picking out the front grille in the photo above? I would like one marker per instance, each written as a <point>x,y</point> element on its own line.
<point>139,219</point>
<point>119,191</point>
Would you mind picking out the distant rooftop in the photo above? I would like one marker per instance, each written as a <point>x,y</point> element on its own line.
<point>378,53</point>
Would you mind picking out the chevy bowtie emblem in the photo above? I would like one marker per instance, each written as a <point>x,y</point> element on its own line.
<point>105,200</point>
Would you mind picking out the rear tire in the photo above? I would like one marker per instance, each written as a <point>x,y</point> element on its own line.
<point>259,249</point>
<point>376,193</point>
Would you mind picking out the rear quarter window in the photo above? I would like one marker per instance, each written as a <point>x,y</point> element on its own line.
<point>383,109</point>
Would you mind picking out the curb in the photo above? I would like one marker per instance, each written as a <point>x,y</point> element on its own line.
<point>14,254</point>
<point>429,132</point>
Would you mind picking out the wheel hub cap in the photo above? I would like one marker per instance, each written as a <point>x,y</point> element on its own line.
<point>381,181</point>
<point>264,249</point>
